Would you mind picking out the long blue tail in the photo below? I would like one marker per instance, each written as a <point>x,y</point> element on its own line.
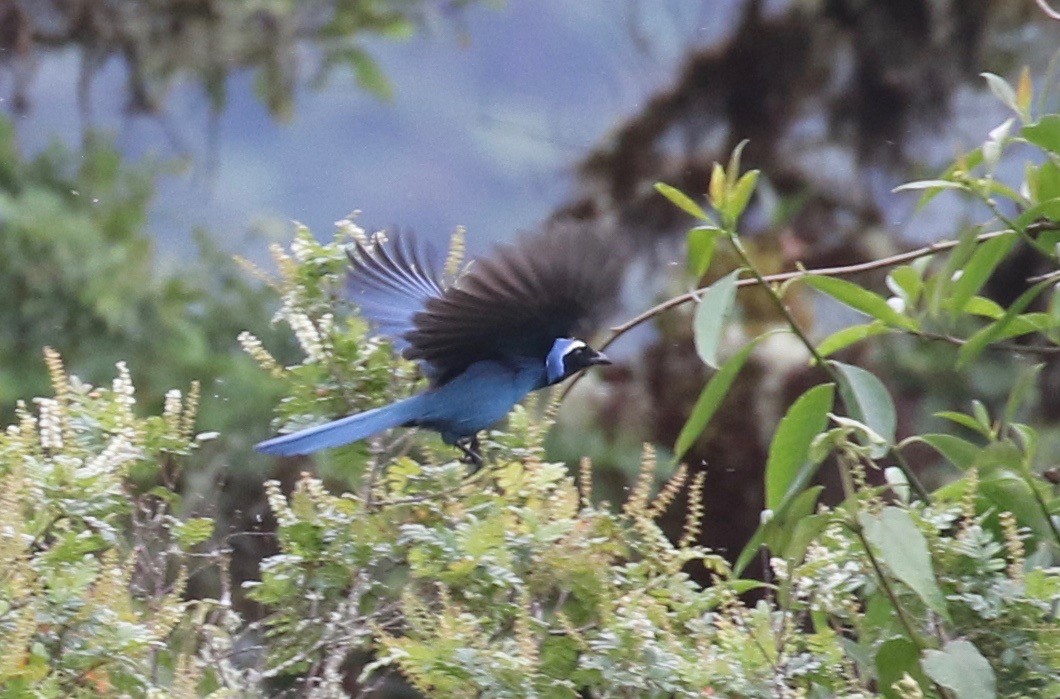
<point>342,431</point>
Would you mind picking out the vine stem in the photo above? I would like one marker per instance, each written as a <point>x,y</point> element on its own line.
<point>793,324</point>
<point>779,303</point>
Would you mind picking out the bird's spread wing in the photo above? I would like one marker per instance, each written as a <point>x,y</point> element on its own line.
<point>392,280</point>
<point>518,301</point>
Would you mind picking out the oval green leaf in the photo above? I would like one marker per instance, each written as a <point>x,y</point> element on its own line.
<point>986,258</point>
<point>1044,133</point>
<point>713,310</point>
<point>860,299</point>
<point>788,467</point>
<point>681,200</point>
<point>991,333</point>
<point>962,669</point>
<point>710,398</point>
<point>959,452</point>
<point>841,339</point>
<point>868,401</point>
<point>701,243</point>
<point>904,551</point>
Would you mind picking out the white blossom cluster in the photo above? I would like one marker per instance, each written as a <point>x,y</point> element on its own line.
<point>826,579</point>
<point>124,396</point>
<point>171,411</point>
<point>307,335</point>
<point>50,423</point>
<point>281,510</point>
<point>118,452</point>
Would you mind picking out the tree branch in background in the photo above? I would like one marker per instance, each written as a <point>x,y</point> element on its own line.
<point>1050,12</point>
<point>841,271</point>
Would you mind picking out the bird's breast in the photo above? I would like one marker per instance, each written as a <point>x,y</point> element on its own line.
<point>480,397</point>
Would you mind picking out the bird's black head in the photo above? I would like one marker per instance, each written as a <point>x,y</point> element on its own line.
<point>569,356</point>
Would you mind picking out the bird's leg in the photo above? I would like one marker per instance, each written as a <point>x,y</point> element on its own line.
<point>470,446</point>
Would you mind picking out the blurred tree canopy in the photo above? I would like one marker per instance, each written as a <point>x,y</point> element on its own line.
<point>80,274</point>
<point>162,40</point>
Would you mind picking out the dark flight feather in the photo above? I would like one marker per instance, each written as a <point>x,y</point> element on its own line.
<point>518,301</point>
<point>514,303</point>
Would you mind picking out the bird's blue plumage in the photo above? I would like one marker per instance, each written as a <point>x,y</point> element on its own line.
<point>392,281</point>
<point>503,329</point>
<point>345,430</point>
<point>478,398</point>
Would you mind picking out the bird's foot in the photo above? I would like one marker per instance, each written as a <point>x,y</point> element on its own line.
<point>470,446</point>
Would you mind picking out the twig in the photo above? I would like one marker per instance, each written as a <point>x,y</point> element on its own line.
<point>1049,12</point>
<point>1002,346</point>
<point>843,271</point>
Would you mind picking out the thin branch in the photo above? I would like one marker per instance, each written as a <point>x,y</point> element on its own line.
<point>1002,346</point>
<point>841,271</point>
<point>1049,12</point>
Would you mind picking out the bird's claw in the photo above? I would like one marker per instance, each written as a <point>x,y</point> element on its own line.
<point>470,446</point>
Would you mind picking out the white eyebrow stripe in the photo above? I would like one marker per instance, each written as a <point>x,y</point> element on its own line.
<point>577,344</point>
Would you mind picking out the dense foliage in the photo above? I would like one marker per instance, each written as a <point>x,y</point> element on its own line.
<point>514,581</point>
<point>82,277</point>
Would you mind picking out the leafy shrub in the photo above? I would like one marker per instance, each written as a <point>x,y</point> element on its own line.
<point>513,582</point>
<point>96,557</point>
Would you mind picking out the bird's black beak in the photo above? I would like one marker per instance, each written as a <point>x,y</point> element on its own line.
<point>599,359</point>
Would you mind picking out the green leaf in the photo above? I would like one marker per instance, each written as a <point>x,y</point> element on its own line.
<point>967,241</point>
<point>1009,193</point>
<point>711,397</point>
<point>966,163</point>
<point>1023,386</point>
<point>806,530</point>
<point>789,532</point>
<point>904,550</point>
<point>1024,324</point>
<point>981,414</point>
<point>788,467</point>
<point>982,264</point>
<point>961,668</point>
<point>966,421</point>
<point>959,452</point>
<point>1048,209</point>
<point>841,339</point>
<point>894,659</point>
<point>369,75</point>
<point>860,299</point>
<point>1045,133</point>
<point>701,243</point>
<point>928,184</point>
<point>713,310</point>
<point>734,159</point>
<point>681,200</point>
<point>1047,181</point>
<point>868,402</point>
<point>1053,331</point>
<point>978,342</point>
<point>1002,90</point>
<point>906,283</point>
<point>779,529</point>
<point>750,549</point>
<point>194,531</point>
<point>1010,491</point>
<point>977,305</point>
<point>740,195</point>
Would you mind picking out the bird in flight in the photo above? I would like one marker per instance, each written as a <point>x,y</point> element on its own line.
<point>509,325</point>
